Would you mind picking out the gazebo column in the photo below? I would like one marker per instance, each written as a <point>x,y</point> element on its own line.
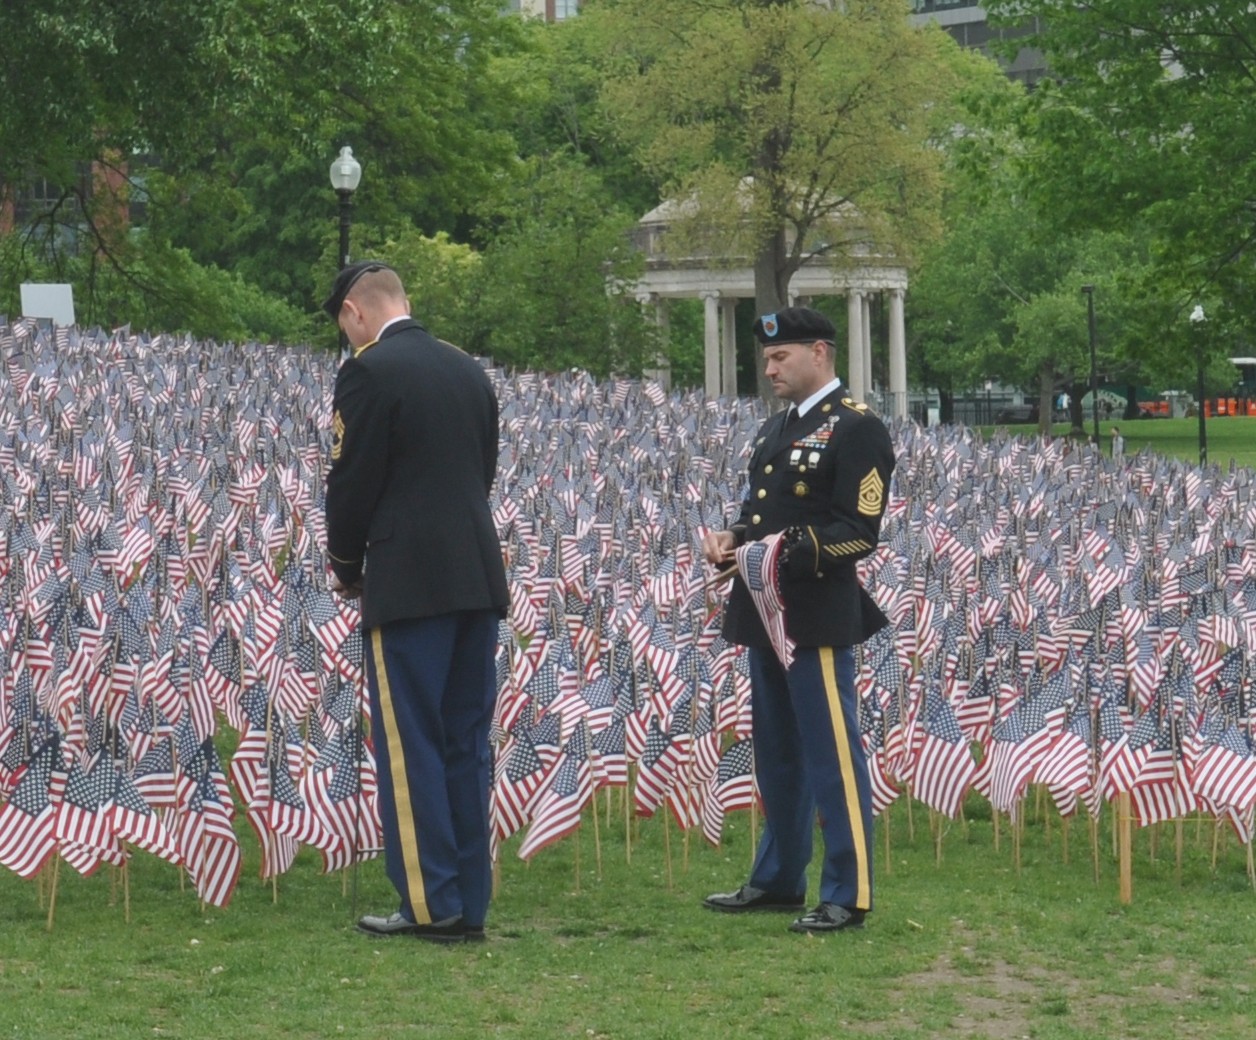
<point>866,325</point>
<point>711,341</point>
<point>898,357</point>
<point>662,370</point>
<point>854,343</point>
<point>728,346</point>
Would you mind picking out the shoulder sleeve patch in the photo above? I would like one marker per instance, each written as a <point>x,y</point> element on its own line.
<point>871,493</point>
<point>337,435</point>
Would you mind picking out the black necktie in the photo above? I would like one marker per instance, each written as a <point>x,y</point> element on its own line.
<point>791,416</point>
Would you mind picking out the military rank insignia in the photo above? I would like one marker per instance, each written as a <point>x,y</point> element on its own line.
<point>812,445</point>
<point>337,435</point>
<point>871,493</point>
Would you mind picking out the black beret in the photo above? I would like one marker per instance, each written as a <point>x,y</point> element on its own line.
<point>794,325</point>
<point>346,280</point>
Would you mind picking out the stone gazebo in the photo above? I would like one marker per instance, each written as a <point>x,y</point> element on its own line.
<point>720,281</point>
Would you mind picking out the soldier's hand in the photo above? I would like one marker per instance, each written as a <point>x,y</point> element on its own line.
<point>717,547</point>
<point>344,591</point>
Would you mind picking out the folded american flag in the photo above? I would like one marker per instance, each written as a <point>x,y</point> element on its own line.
<point>758,563</point>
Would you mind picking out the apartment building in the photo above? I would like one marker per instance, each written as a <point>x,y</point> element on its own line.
<point>550,10</point>
<point>965,21</point>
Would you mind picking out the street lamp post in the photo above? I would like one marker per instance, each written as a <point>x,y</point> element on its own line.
<point>1089,290</point>
<point>1197,321</point>
<point>346,173</point>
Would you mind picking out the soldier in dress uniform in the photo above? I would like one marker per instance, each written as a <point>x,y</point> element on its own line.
<point>820,472</point>
<point>414,453</point>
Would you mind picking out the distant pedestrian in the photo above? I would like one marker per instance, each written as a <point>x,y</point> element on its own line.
<point>1118,445</point>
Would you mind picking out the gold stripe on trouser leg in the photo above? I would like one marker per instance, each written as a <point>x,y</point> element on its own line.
<point>828,668</point>
<point>401,787</point>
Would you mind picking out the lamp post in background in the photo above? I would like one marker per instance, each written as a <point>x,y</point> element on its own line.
<point>346,173</point>
<point>1089,290</point>
<point>1197,322</point>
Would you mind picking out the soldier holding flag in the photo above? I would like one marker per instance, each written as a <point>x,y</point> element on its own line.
<point>819,477</point>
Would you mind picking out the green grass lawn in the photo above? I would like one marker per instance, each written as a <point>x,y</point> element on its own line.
<point>1228,437</point>
<point>971,946</point>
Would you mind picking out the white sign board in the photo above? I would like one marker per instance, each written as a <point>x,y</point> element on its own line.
<point>48,300</point>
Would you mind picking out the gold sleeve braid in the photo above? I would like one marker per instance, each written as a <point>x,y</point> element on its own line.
<point>840,549</point>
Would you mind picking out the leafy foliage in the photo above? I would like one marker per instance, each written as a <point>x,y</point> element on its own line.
<point>794,128</point>
<point>1149,122</point>
<point>542,300</point>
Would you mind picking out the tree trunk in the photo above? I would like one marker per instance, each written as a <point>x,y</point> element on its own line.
<point>1131,402</point>
<point>1077,417</point>
<point>1046,397</point>
<point>771,294</point>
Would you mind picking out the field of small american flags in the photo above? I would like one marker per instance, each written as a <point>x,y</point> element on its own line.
<point>181,696</point>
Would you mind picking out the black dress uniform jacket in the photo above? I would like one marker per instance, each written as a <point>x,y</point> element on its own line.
<point>414,453</point>
<point>827,476</point>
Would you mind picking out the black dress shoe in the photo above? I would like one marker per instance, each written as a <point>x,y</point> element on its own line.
<point>828,917</point>
<point>393,924</point>
<point>749,898</point>
<point>450,930</point>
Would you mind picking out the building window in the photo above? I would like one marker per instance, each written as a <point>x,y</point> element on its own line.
<point>929,6</point>
<point>565,9</point>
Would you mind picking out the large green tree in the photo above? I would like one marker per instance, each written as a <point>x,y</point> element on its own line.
<point>226,115</point>
<point>796,128</point>
<point>1148,119</point>
<point>1000,296</point>
<point>559,244</point>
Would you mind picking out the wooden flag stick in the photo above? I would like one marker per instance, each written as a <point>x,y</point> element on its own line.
<point>1017,820</point>
<point>126,884</point>
<point>754,827</point>
<point>885,830</point>
<point>1125,846</point>
<point>52,895</point>
<point>627,827</point>
<point>1094,845</point>
<point>667,847</point>
<point>597,839</point>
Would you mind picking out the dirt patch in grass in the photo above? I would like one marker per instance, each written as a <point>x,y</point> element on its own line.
<point>969,993</point>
